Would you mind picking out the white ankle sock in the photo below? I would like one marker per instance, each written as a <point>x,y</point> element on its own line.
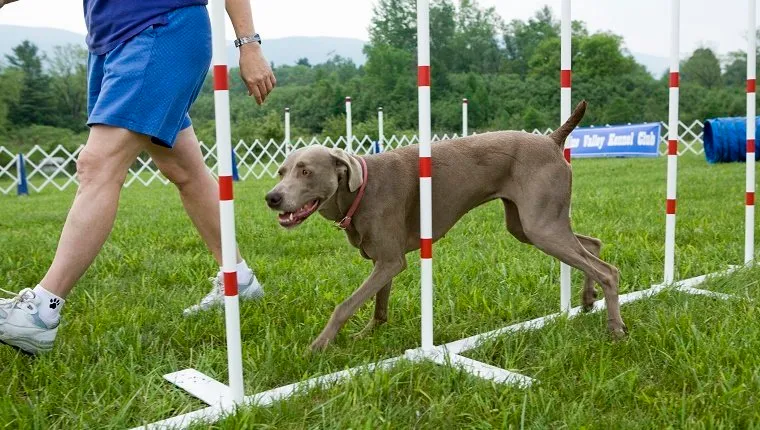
<point>244,273</point>
<point>50,305</point>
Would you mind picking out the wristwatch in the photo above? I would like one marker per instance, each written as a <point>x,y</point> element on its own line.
<point>247,39</point>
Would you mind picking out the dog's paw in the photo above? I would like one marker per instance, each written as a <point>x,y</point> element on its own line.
<point>588,299</point>
<point>368,329</point>
<point>618,331</point>
<point>319,344</point>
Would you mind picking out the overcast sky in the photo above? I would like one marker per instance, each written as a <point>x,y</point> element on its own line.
<point>644,24</point>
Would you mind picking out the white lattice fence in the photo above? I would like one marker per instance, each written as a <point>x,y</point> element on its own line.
<point>691,139</point>
<point>257,159</point>
<point>8,177</point>
<point>43,169</point>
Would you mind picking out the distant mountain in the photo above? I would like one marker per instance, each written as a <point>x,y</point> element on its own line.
<point>654,64</point>
<point>45,38</point>
<point>286,50</point>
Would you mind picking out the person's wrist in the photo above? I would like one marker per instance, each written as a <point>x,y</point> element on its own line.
<point>247,39</point>
<point>250,48</point>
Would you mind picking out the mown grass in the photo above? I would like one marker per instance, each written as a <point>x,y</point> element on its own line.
<point>689,362</point>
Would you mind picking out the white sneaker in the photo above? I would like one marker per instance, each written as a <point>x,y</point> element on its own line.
<point>21,326</point>
<point>215,297</point>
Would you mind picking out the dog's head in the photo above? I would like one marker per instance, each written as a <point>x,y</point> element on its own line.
<point>309,177</point>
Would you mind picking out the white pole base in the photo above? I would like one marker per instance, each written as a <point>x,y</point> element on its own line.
<point>441,356</point>
<point>201,386</point>
<point>217,412</point>
<point>685,286</point>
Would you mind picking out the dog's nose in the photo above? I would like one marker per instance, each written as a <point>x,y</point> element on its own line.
<point>274,199</point>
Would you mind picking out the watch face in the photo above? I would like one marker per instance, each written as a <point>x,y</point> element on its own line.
<point>246,39</point>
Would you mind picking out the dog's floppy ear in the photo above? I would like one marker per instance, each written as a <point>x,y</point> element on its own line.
<point>353,168</point>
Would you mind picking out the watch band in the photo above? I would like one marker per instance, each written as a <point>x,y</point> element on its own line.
<point>247,39</point>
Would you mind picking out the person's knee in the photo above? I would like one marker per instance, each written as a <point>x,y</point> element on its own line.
<point>177,174</point>
<point>106,157</point>
<point>183,165</point>
<point>93,169</point>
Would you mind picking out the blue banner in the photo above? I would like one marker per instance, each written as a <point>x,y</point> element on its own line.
<point>638,140</point>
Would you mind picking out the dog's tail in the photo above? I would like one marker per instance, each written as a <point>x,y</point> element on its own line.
<point>559,135</point>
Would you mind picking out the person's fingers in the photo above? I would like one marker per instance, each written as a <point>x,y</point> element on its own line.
<point>256,93</point>
<point>263,90</point>
<point>268,84</point>
<point>273,80</point>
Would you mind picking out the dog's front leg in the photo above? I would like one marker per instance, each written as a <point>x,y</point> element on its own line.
<point>381,275</point>
<point>381,312</point>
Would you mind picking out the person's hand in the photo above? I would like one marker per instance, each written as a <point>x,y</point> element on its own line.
<point>256,72</point>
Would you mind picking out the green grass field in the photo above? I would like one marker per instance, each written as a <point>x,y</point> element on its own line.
<point>689,362</point>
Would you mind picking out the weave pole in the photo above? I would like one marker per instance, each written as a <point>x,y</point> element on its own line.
<point>565,100</point>
<point>288,145</point>
<point>426,173</point>
<point>226,204</point>
<point>380,132</point>
<point>349,132</point>
<point>464,117</point>
<point>199,385</point>
<point>749,212</point>
<point>670,198</point>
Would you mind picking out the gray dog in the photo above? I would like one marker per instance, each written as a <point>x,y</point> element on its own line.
<point>381,214</point>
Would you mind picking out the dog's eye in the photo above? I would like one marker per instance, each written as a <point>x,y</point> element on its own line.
<point>305,172</point>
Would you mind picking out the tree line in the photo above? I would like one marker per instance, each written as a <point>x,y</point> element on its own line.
<point>508,70</point>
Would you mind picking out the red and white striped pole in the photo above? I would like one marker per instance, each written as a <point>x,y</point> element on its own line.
<point>288,145</point>
<point>464,117</point>
<point>426,168</point>
<point>226,206</point>
<point>380,132</point>
<point>349,132</point>
<point>749,214</point>
<point>565,83</point>
<point>670,198</point>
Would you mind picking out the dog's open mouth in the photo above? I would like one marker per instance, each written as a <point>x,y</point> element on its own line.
<point>292,219</point>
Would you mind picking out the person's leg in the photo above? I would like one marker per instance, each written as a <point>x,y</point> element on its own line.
<point>102,167</point>
<point>29,321</point>
<point>183,165</point>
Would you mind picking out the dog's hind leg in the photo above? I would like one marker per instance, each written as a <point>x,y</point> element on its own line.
<point>588,295</point>
<point>593,245</point>
<point>381,312</point>
<point>556,238</point>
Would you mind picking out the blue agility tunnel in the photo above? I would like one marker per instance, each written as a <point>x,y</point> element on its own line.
<point>726,139</point>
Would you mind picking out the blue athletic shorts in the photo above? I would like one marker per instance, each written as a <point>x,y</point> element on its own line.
<point>148,83</point>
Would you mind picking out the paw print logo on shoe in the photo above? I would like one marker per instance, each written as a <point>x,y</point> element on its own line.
<point>54,303</point>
